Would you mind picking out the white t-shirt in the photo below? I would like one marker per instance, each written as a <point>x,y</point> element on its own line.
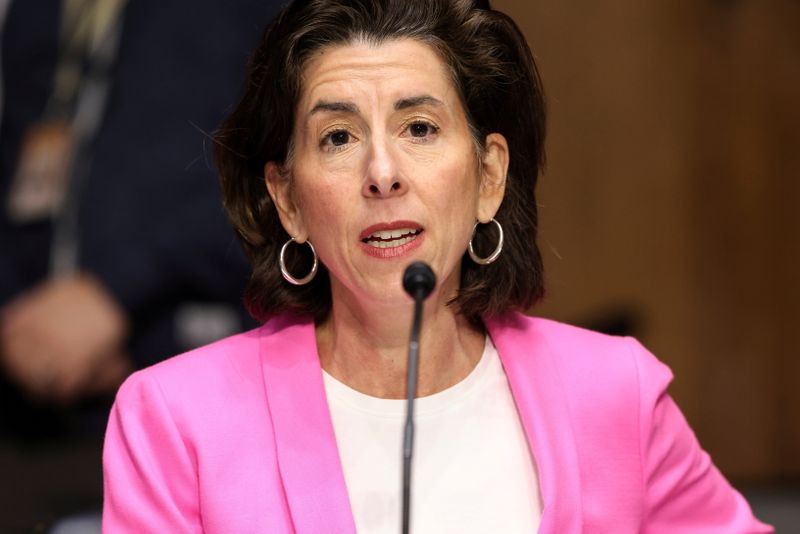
<point>472,468</point>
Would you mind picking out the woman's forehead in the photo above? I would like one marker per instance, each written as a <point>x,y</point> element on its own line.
<point>393,71</point>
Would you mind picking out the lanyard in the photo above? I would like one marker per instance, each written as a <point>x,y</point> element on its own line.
<point>90,34</point>
<point>87,29</point>
<point>55,157</point>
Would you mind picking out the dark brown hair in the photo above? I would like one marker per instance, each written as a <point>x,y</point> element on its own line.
<point>499,85</point>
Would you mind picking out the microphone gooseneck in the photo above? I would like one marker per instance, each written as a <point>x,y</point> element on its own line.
<point>418,281</point>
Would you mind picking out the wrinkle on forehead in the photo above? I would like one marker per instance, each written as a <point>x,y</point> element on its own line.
<point>372,63</point>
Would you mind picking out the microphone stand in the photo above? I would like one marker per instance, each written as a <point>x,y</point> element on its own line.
<point>418,281</point>
<point>411,392</point>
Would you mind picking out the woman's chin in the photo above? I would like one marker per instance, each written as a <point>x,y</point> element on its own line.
<point>380,284</point>
<point>389,295</point>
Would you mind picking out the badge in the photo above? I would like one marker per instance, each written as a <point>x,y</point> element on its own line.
<point>39,185</point>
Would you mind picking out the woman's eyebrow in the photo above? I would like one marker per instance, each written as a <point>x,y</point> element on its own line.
<point>349,107</point>
<point>336,107</point>
<point>415,101</point>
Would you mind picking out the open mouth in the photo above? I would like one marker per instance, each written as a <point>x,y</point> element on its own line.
<point>392,238</point>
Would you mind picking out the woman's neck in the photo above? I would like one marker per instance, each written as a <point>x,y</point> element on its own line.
<point>366,347</point>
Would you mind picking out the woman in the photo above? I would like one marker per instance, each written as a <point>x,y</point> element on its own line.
<point>374,133</point>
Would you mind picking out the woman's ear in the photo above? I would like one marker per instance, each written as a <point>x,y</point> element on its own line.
<point>279,187</point>
<point>494,168</point>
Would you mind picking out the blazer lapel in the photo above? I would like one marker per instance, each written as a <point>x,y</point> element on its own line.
<point>536,386</point>
<point>308,458</point>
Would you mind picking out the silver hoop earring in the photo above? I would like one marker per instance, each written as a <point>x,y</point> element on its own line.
<point>285,272</point>
<point>498,249</point>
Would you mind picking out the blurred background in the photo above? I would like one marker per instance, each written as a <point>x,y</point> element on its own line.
<point>670,208</point>
<point>115,250</point>
<point>668,211</point>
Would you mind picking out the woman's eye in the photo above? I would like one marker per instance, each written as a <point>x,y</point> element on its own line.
<point>421,129</point>
<point>336,140</point>
<point>339,138</point>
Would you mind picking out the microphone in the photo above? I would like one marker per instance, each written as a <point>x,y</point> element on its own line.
<point>418,281</point>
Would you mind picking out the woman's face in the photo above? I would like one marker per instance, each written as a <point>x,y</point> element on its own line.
<point>384,170</point>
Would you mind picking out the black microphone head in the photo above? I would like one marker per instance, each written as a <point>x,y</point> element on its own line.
<point>419,280</point>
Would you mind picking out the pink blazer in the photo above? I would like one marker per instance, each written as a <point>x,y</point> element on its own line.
<point>237,437</point>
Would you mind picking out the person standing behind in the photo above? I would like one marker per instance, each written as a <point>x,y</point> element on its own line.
<point>150,233</point>
<point>152,267</point>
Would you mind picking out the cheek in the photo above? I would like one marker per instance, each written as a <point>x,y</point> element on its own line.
<point>461,192</point>
<point>323,206</point>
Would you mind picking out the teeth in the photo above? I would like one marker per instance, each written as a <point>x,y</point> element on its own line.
<point>391,238</point>
<point>391,234</point>
<point>393,243</point>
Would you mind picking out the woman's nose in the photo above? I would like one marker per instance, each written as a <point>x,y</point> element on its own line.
<point>383,177</point>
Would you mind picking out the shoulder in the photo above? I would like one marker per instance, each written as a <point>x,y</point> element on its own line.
<point>204,385</point>
<point>194,372</point>
<point>201,398</point>
<point>584,359</point>
<point>214,377</point>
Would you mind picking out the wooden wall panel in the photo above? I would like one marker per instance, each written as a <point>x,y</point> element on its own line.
<point>672,193</point>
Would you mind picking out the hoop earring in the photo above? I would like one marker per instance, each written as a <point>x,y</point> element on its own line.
<point>285,272</point>
<point>491,257</point>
